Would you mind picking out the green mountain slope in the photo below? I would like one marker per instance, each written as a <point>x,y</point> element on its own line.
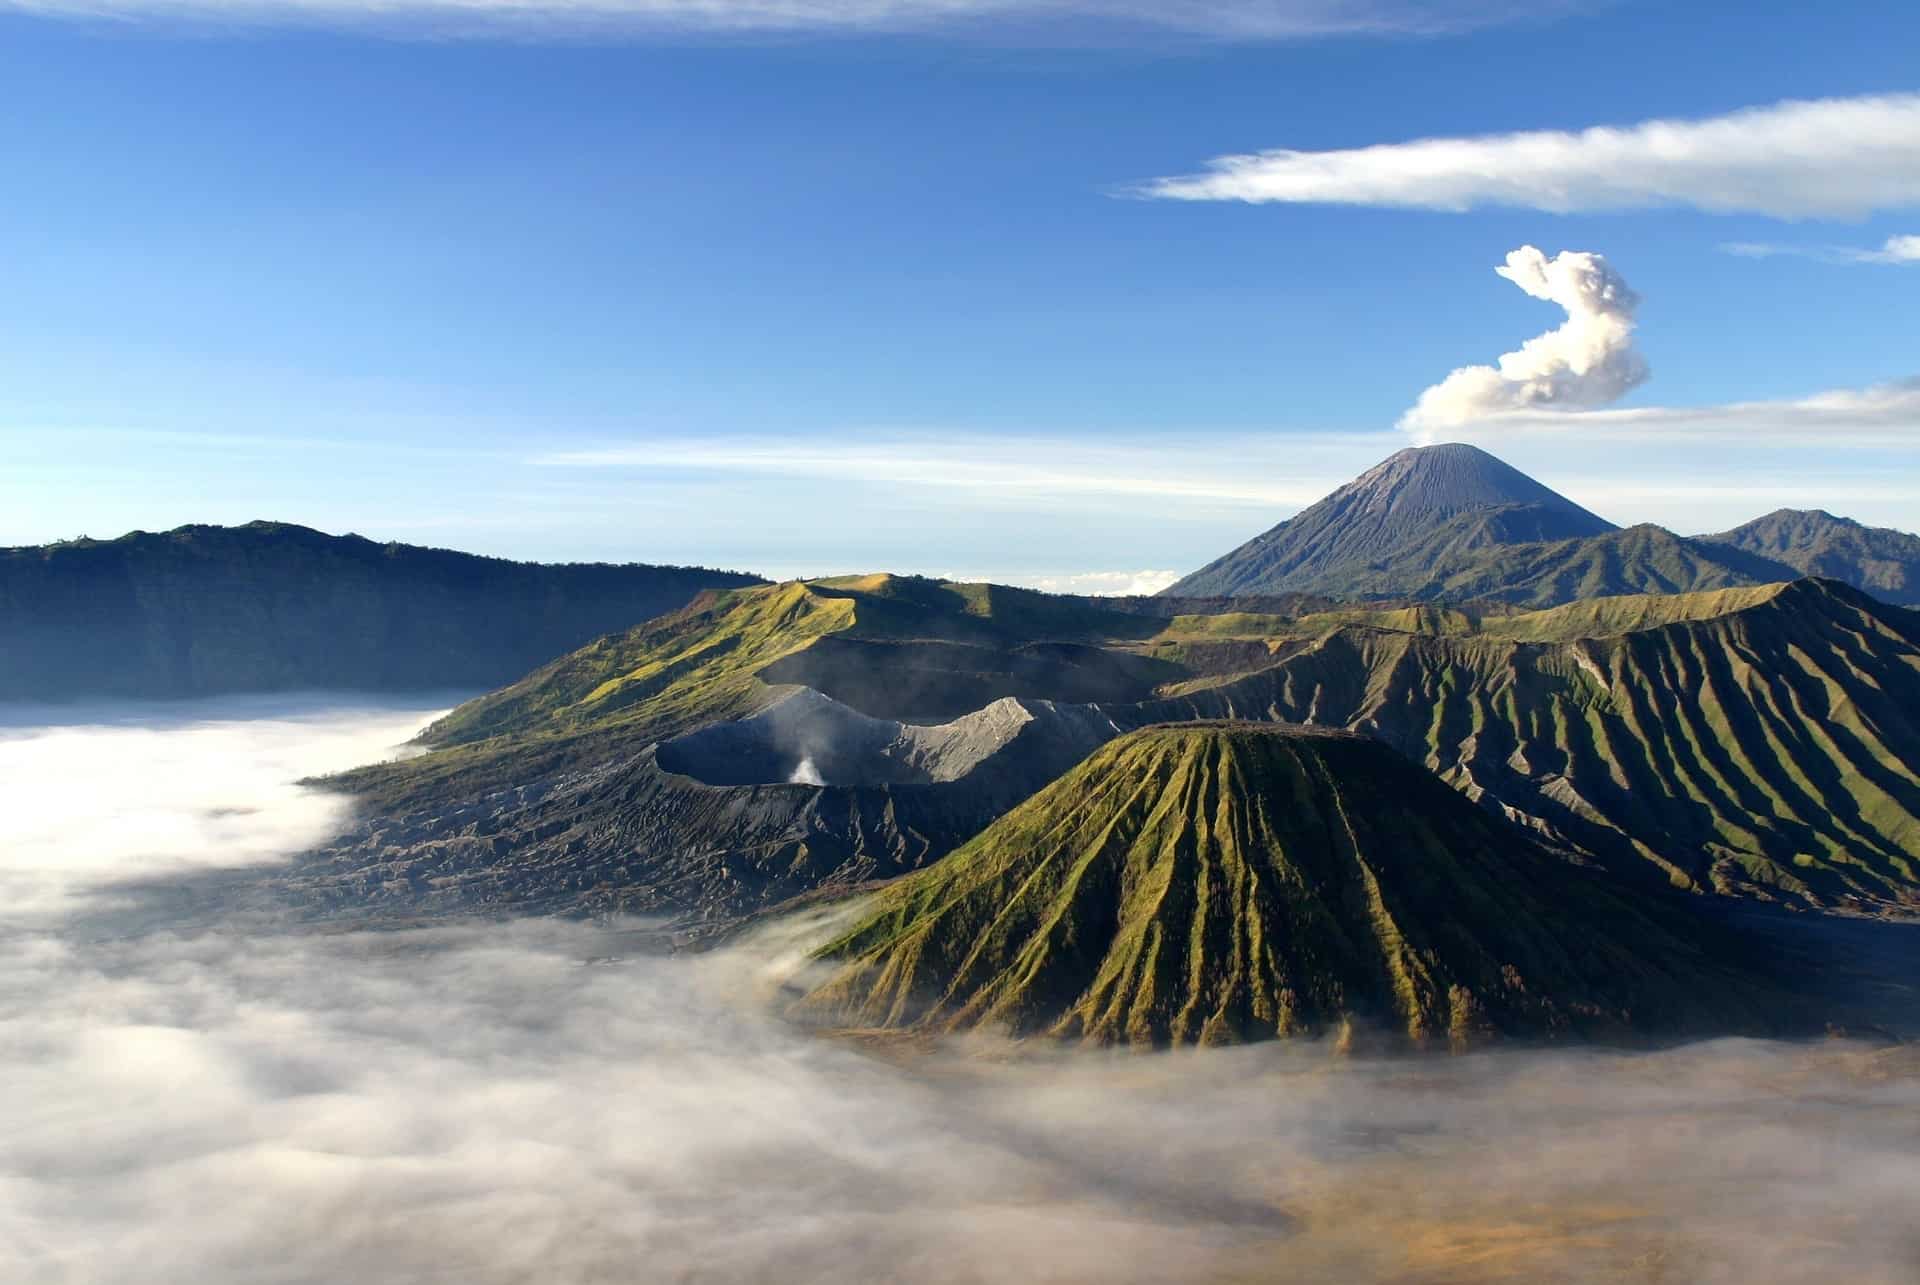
<point>1761,741</point>
<point>1209,883</point>
<point>888,646</point>
<point>206,609</point>
<point>1637,560</point>
<point>1757,741</point>
<point>1880,560</point>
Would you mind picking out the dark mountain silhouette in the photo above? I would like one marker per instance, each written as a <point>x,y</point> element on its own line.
<point>1884,562</point>
<point>266,606</point>
<point>1451,523</point>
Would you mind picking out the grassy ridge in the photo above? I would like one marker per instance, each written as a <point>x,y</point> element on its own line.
<point>1880,560</point>
<point>1769,749</point>
<point>707,661</point>
<point>1213,883</point>
<point>1758,740</point>
<point>701,662</point>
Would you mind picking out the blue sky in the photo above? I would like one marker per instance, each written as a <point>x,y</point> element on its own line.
<point>851,287</point>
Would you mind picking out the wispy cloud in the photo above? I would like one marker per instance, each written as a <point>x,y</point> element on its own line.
<point>1835,157</point>
<point>1217,19</point>
<point>1897,250</point>
<point>1226,472</point>
<point>1879,417</point>
<point>1101,584</point>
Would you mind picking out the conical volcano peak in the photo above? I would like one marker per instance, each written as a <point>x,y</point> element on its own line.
<point>1451,478</point>
<point>1218,882</point>
<point>1454,493</point>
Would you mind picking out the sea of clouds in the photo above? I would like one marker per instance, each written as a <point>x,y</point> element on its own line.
<point>223,1102</point>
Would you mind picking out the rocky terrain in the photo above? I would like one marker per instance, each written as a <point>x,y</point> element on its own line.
<point>711,826</point>
<point>1757,742</point>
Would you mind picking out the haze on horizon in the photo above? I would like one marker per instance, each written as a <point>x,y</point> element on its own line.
<point>953,289</point>
<point>1552,922</point>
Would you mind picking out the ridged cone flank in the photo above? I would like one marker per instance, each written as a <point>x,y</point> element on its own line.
<point>1219,882</point>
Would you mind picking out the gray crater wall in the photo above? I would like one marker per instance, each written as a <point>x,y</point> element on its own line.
<point>814,739</point>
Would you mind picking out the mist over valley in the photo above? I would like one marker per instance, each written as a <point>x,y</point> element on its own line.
<point>254,1099</point>
<point>984,642</point>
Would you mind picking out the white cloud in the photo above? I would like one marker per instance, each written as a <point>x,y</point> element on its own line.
<point>1835,157</point>
<point>473,1102</point>
<point>1882,416</point>
<point>1022,470</point>
<point>1588,361</point>
<point>205,783</point>
<point>1896,250</point>
<point>1101,584</point>
<point>1107,583</point>
<point>1221,19</point>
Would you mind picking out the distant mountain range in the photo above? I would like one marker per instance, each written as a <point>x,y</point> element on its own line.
<point>1453,523</point>
<point>208,609</point>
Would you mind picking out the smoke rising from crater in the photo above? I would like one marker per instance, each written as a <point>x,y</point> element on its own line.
<point>1588,361</point>
<point>481,1102</point>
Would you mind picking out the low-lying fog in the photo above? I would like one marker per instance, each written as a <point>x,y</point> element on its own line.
<point>518,1103</point>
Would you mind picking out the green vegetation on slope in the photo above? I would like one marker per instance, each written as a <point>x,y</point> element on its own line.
<point>889,646</point>
<point>1208,883</point>
<point>1880,560</point>
<point>1759,741</point>
<point>1600,617</point>
<point>1772,749</point>
<point>1640,559</point>
<point>695,665</point>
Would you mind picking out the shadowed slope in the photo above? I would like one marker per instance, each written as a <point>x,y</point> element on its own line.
<point>1212,882</point>
<point>271,606</point>
<point>1883,561</point>
<point>1759,741</point>
<point>1451,523</point>
<point>892,647</point>
<point>1402,501</point>
<point>1636,560</point>
<point>1771,749</point>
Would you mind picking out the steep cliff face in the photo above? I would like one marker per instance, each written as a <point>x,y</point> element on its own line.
<point>1210,883</point>
<point>268,606</point>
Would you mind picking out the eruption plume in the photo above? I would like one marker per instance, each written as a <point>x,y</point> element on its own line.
<point>1588,361</point>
